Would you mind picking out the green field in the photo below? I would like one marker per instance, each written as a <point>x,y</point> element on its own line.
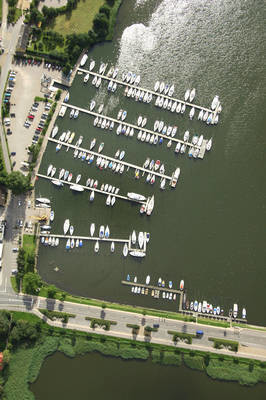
<point>80,19</point>
<point>29,244</point>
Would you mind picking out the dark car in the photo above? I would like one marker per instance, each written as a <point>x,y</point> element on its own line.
<point>35,104</point>
<point>8,131</point>
<point>13,153</point>
<point>156,326</point>
<point>35,137</point>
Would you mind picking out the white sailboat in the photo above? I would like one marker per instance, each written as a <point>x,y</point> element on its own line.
<point>92,229</point>
<point>66,226</point>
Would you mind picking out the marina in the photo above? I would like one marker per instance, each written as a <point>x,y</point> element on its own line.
<point>125,163</point>
<point>202,148</point>
<point>152,92</point>
<point>82,188</point>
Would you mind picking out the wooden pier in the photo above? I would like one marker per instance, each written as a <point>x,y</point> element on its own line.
<point>119,196</point>
<point>126,164</point>
<point>124,83</point>
<point>93,238</point>
<point>160,288</point>
<point>135,127</point>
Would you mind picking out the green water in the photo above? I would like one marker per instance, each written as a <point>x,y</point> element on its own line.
<point>95,376</point>
<point>210,230</point>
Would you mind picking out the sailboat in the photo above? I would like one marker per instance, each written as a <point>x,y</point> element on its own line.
<point>92,229</point>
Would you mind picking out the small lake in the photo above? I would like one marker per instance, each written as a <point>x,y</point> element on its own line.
<point>96,376</point>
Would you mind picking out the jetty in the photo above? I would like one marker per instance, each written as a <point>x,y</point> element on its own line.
<point>119,196</point>
<point>93,238</point>
<point>117,160</point>
<point>124,83</point>
<point>135,127</point>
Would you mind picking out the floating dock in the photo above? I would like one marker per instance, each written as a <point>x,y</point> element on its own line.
<point>93,189</point>
<point>160,288</point>
<point>135,127</point>
<point>147,90</point>
<point>104,239</point>
<point>126,164</point>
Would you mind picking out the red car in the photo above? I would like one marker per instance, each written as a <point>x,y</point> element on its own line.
<point>31,116</point>
<point>39,129</point>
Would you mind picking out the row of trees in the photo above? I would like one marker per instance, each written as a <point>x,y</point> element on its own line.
<point>11,16</point>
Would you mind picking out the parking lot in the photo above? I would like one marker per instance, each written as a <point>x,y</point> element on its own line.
<point>25,116</point>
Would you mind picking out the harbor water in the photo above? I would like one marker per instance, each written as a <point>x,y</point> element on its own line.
<point>210,229</point>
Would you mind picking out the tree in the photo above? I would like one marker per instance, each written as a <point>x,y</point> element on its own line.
<point>58,95</point>
<point>110,2</point>
<point>30,262</point>
<point>105,10</point>
<point>23,331</point>
<point>63,296</point>
<point>6,357</point>
<point>4,327</point>
<point>51,291</point>
<point>32,282</point>
<point>21,263</point>
<point>18,182</point>
<point>100,25</point>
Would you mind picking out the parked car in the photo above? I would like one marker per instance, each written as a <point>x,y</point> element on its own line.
<point>27,124</point>
<point>14,271</point>
<point>35,104</point>
<point>8,131</point>
<point>31,116</point>
<point>13,153</point>
<point>15,250</point>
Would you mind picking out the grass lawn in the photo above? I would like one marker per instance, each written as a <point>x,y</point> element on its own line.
<point>80,20</point>
<point>29,243</point>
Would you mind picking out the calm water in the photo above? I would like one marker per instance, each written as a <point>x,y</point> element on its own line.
<point>95,376</point>
<point>210,230</point>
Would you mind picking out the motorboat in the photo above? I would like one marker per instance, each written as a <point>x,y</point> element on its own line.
<point>113,200</point>
<point>77,242</point>
<point>171,90</point>
<point>122,155</point>
<point>95,184</point>
<point>100,148</point>
<point>92,144</point>
<point>137,80</point>
<point>235,310</point>
<point>77,188</point>
<point>177,147</point>
<point>205,116</point>
<point>139,135</point>
<point>178,108</point>
<point>156,86</point>
<point>78,178</point>
<point>148,136</point>
<point>209,144</point>
<point>66,226</point>
<point>187,94</point>
<point>56,242</point>
<point>186,136</point>
<point>107,232</point>
<point>151,164</point>
<point>191,113</point>
<point>200,116</point>
<point>165,104</point>
<point>66,97</point>
<point>200,140</point>
<point>110,84</point>
<point>54,131</point>
<point>182,284</point>
<point>92,229</point>
<point>92,105</point>
<point>162,169</point>
<point>136,196</point>
<point>204,306</point>
<point>108,200</point>
<point>209,119</point>
<point>143,136</point>
<point>76,114</point>
<point>146,163</point>
<point>183,108</point>
<point>115,73</point>
<point>112,247</point>
<point>244,313</point>
<point>43,200</point>
<point>162,184</point>
<point>141,239</point>
<point>124,114</point>
<point>170,284</point>
<point>152,180</point>
<point>137,253</point>
<point>96,246</point>
<point>169,144</point>
<point>86,78</point>
<point>215,102</point>
<point>162,86</point>
<point>69,178</point>
<point>133,237</point>
<point>56,182</point>
<point>68,244</point>
<point>192,95</point>
<point>148,178</point>
<point>125,250</point>
<point>72,112</point>
<point>148,279</point>
<point>114,87</point>
<point>139,120</point>
<point>195,139</point>
<point>49,169</point>
<point>92,195</point>
<point>169,130</point>
<point>157,165</point>
<point>71,230</point>
<point>200,307</point>
<point>83,60</point>
<point>92,65</point>
<point>101,232</point>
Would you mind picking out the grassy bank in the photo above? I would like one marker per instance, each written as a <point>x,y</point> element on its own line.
<point>29,244</point>
<point>26,361</point>
<point>112,19</point>
<point>80,19</point>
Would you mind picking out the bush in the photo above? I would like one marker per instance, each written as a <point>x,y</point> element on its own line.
<point>194,362</point>
<point>220,343</point>
<point>187,337</point>
<point>52,315</point>
<point>171,358</point>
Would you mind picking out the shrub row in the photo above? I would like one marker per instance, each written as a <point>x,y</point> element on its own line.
<point>220,343</point>
<point>52,315</point>
<point>95,322</point>
<point>187,337</point>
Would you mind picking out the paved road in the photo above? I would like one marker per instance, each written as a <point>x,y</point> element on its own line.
<point>9,35</point>
<point>253,343</point>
